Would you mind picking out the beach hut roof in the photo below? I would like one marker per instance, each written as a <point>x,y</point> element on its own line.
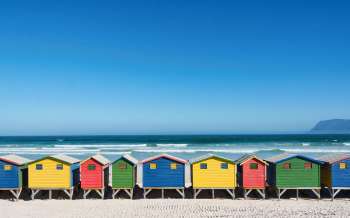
<point>127,157</point>
<point>61,157</point>
<point>207,156</point>
<point>247,157</point>
<point>15,159</point>
<point>99,158</point>
<point>130,158</point>
<point>65,158</point>
<point>286,156</point>
<point>165,156</point>
<point>333,158</point>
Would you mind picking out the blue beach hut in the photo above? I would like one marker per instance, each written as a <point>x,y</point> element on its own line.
<point>335,173</point>
<point>13,174</point>
<point>163,172</point>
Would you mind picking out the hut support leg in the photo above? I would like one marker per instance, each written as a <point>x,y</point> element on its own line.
<point>297,194</point>
<point>129,192</point>
<point>16,193</point>
<point>34,192</point>
<point>100,192</point>
<point>115,192</point>
<point>336,192</point>
<point>50,194</point>
<point>162,190</point>
<point>247,193</point>
<point>212,193</point>
<point>69,192</point>
<point>261,192</point>
<point>231,193</point>
<point>196,192</point>
<point>146,192</point>
<point>281,192</point>
<point>316,192</point>
<point>332,193</point>
<point>86,192</point>
<point>181,192</point>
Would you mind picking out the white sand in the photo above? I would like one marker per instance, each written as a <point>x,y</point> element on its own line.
<point>174,208</point>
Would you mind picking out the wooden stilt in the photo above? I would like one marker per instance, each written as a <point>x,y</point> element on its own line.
<point>181,192</point>
<point>146,192</point>
<point>129,192</point>
<point>115,192</point>
<point>331,191</point>
<point>34,193</point>
<point>69,192</point>
<point>315,191</point>
<point>212,194</point>
<point>132,193</point>
<point>231,193</point>
<point>162,193</point>
<point>282,192</point>
<point>261,192</point>
<point>247,193</point>
<point>100,192</point>
<point>336,192</point>
<point>297,194</point>
<point>86,192</point>
<point>16,192</point>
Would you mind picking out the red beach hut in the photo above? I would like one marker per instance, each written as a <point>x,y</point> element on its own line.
<point>94,174</point>
<point>252,172</point>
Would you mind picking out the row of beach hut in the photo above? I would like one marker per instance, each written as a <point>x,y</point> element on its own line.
<point>163,171</point>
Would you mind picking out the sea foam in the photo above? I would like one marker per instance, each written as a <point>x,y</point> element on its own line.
<point>100,145</point>
<point>172,145</point>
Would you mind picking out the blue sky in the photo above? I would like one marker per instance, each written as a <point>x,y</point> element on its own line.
<point>139,67</point>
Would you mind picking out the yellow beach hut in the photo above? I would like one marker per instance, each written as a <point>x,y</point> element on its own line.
<point>213,172</point>
<point>58,172</point>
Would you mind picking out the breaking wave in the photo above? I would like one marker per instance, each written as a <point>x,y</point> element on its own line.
<point>101,146</point>
<point>173,145</point>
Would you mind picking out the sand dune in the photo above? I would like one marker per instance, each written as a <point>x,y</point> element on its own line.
<point>174,208</point>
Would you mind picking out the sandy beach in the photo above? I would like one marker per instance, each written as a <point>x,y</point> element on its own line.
<point>175,208</point>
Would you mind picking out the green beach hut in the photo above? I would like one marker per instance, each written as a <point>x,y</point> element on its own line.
<point>294,172</point>
<point>123,175</point>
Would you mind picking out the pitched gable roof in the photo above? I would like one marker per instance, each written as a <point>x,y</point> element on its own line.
<point>286,156</point>
<point>99,158</point>
<point>167,156</point>
<point>207,156</point>
<point>65,158</point>
<point>333,158</point>
<point>15,159</point>
<point>248,157</point>
<point>130,158</point>
<point>59,157</point>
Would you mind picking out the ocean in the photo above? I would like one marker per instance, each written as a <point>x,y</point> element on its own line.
<point>112,146</point>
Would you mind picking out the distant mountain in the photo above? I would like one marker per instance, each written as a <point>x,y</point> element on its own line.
<point>335,125</point>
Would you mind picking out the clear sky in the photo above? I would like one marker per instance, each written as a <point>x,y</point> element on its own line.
<point>124,67</point>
